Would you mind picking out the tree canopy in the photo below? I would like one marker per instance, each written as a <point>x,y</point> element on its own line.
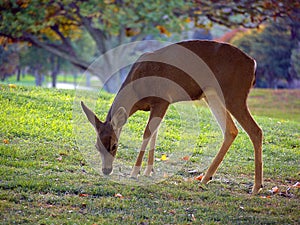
<point>57,26</point>
<point>276,50</point>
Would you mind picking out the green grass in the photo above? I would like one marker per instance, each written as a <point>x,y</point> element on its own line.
<point>46,179</point>
<point>29,80</point>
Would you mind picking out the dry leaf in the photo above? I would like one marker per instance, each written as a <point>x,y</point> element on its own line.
<point>268,196</point>
<point>164,157</point>
<point>12,86</point>
<point>297,185</point>
<point>5,141</point>
<point>275,190</point>
<point>193,171</point>
<point>163,30</point>
<point>199,177</point>
<point>285,194</point>
<point>186,158</point>
<point>83,195</point>
<point>193,217</point>
<point>118,195</point>
<point>172,211</point>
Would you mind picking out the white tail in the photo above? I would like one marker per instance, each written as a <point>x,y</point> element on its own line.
<point>220,73</point>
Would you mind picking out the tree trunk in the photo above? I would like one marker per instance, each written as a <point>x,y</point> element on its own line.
<point>54,78</point>
<point>18,74</point>
<point>55,64</point>
<point>38,78</point>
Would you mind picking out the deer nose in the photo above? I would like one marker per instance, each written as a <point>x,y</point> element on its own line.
<point>106,171</point>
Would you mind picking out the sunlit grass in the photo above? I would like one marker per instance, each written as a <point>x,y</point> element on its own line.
<point>46,179</point>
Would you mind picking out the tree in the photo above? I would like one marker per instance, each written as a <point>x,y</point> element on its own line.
<point>272,47</point>
<point>9,60</point>
<point>245,13</point>
<point>294,70</point>
<point>56,25</point>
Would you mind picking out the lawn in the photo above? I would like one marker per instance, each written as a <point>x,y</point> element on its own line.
<point>29,80</point>
<point>47,178</point>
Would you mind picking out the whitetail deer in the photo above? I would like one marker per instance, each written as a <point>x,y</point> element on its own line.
<point>218,72</point>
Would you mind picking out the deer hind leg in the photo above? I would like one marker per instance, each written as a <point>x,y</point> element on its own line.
<point>243,116</point>
<point>156,115</point>
<point>149,167</point>
<point>228,128</point>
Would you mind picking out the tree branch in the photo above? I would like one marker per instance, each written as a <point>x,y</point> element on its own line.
<point>57,51</point>
<point>66,42</point>
<point>98,36</point>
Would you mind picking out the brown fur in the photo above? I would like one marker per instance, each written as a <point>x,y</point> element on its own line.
<point>220,73</point>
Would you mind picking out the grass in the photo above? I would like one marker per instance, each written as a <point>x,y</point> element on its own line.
<point>29,80</point>
<point>45,178</point>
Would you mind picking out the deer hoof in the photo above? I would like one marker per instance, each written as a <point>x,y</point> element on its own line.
<point>135,172</point>
<point>256,189</point>
<point>148,171</point>
<point>206,179</point>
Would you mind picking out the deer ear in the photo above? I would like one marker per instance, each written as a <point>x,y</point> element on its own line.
<point>91,116</point>
<point>119,118</point>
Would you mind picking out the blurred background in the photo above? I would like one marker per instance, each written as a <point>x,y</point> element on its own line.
<point>51,43</point>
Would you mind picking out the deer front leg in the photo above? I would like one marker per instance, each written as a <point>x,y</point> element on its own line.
<point>137,167</point>
<point>149,134</point>
<point>157,112</point>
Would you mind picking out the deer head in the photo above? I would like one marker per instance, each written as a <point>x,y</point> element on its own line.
<point>108,133</point>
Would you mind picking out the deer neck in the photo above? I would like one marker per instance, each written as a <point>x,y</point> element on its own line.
<point>126,98</point>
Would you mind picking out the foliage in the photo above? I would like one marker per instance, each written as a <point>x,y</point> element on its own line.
<point>295,59</point>
<point>272,47</point>
<point>9,60</point>
<point>245,13</point>
<point>56,25</point>
<point>46,180</point>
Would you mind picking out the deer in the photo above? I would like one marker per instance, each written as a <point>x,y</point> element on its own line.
<point>217,72</point>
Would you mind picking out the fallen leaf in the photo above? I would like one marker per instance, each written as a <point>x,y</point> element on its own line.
<point>297,185</point>
<point>163,30</point>
<point>193,171</point>
<point>12,86</point>
<point>285,194</point>
<point>274,190</point>
<point>199,177</point>
<point>172,211</point>
<point>164,157</point>
<point>186,158</point>
<point>83,195</point>
<point>193,217</point>
<point>5,141</point>
<point>118,195</point>
<point>268,196</point>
